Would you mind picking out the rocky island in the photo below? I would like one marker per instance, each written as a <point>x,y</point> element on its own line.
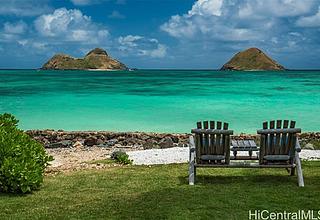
<point>252,59</point>
<point>96,59</point>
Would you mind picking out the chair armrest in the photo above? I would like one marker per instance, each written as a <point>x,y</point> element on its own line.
<point>298,148</point>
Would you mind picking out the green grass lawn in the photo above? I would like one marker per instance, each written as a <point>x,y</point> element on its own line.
<point>162,192</point>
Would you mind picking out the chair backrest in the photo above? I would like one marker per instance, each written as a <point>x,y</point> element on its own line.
<point>212,142</point>
<point>278,138</point>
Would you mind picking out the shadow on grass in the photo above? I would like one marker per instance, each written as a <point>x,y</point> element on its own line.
<point>229,176</point>
<point>12,195</point>
<point>227,194</point>
<point>223,197</point>
<point>249,180</point>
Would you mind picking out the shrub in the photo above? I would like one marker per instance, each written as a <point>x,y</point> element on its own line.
<point>121,157</point>
<point>22,159</point>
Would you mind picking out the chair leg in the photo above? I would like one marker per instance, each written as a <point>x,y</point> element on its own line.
<point>299,170</point>
<point>292,171</point>
<point>192,168</point>
<point>192,173</point>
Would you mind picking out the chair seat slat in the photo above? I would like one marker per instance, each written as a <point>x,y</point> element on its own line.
<point>277,157</point>
<point>212,157</point>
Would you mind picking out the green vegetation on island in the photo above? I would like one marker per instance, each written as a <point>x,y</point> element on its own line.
<point>251,59</point>
<point>96,59</point>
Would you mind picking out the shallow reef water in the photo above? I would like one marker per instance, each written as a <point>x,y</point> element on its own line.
<point>159,100</point>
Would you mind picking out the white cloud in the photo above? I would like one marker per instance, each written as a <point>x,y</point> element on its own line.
<point>62,30</point>
<point>12,32</point>
<point>136,45</point>
<point>212,27</point>
<point>159,52</point>
<point>4,37</point>
<point>204,18</point>
<point>104,33</point>
<point>86,2</point>
<point>70,25</point>
<point>129,40</point>
<point>206,8</point>
<point>79,35</point>
<point>15,28</point>
<point>24,7</point>
<point>200,18</point>
<point>239,20</point>
<point>23,42</point>
<point>39,45</point>
<point>60,21</point>
<point>310,21</point>
<point>276,8</point>
<point>116,15</point>
<point>180,26</point>
<point>237,34</point>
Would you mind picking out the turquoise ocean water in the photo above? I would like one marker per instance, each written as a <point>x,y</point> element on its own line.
<point>159,100</point>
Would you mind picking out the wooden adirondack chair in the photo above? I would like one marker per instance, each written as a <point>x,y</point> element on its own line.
<point>279,147</point>
<point>210,145</point>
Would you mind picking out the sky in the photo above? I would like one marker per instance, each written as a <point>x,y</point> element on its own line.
<point>183,34</point>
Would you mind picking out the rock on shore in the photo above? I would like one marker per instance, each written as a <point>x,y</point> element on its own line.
<point>105,139</point>
<point>136,140</point>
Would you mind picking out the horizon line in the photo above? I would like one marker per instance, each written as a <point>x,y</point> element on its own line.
<point>202,69</point>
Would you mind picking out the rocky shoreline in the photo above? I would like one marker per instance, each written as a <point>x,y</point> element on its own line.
<point>81,150</point>
<point>135,140</point>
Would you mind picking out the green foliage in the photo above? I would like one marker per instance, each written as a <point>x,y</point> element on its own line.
<point>22,159</point>
<point>121,157</point>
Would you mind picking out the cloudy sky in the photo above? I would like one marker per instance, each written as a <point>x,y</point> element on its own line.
<point>160,33</point>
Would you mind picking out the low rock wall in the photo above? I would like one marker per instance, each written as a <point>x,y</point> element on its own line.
<point>140,140</point>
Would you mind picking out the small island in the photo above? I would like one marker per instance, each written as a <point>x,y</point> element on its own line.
<point>250,60</point>
<point>96,59</point>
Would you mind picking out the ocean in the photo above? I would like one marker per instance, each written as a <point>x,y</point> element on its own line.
<point>159,100</point>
